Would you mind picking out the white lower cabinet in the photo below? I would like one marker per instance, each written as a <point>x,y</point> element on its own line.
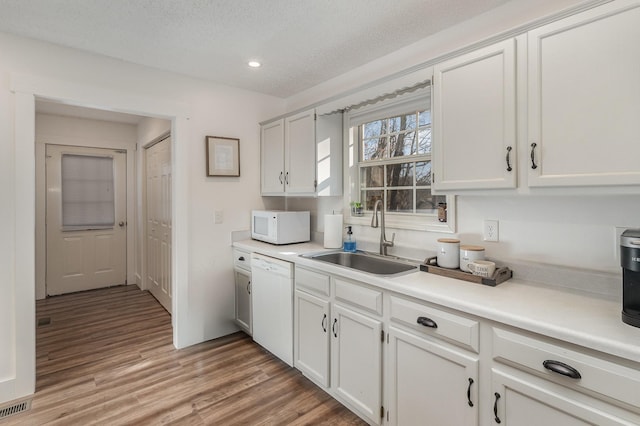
<point>537,380</point>
<point>397,360</point>
<point>338,345</point>
<point>356,356</point>
<point>242,279</point>
<point>521,399</point>
<point>430,383</point>
<point>311,342</point>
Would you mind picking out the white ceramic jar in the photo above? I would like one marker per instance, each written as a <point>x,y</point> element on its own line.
<point>469,254</point>
<point>448,253</point>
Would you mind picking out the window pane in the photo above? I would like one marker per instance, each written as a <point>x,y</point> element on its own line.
<point>424,141</point>
<point>370,198</point>
<point>427,203</point>
<point>400,200</point>
<point>372,177</point>
<point>424,118</point>
<point>374,129</point>
<point>373,149</point>
<point>403,144</point>
<point>423,173</point>
<point>87,191</point>
<point>400,174</point>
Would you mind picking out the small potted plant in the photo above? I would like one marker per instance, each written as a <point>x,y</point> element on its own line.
<point>356,208</point>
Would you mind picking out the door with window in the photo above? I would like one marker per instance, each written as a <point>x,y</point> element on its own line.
<point>85,218</point>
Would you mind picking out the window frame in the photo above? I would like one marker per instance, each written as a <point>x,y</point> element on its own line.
<point>353,121</point>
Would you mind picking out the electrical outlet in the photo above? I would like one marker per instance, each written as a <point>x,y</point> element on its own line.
<point>491,230</point>
<point>218,217</point>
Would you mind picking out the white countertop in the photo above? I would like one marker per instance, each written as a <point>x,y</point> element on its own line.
<point>581,318</point>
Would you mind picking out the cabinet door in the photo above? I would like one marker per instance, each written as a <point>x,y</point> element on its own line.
<point>523,400</point>
<point>584,98</point>
<point>243,299</point>
<point>311,339</point>
<point>272,172</point>
<point>430,384</point>
<point>474,119</point>
<point>356,365</point>
<point>300,154</point>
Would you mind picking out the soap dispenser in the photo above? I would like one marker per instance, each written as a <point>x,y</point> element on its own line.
<point>350,241</point>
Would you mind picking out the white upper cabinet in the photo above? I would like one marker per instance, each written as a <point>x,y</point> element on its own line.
<point>584,99</point>
<point>299,154</point>
<point>302,155</point>
<point>474,119</point>
<point>272,158</point>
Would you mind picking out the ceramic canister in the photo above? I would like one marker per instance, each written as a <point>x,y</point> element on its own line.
<point>468,254</point>
<point>448,253</point>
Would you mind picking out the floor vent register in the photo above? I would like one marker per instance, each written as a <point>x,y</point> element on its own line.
<point>16,408</point>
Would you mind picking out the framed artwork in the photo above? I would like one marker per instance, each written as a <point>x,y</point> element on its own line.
<point>223,156</point>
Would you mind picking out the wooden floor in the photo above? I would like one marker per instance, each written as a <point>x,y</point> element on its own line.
<point>107,358</point>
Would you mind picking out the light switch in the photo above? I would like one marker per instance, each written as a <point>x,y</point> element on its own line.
<point>218,217</point>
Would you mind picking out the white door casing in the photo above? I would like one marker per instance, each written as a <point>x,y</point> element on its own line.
<point>158,222</point>
<point>84,257</point>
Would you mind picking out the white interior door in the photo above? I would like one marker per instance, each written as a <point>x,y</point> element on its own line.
<point>158,220</point>
<point>85,218</point>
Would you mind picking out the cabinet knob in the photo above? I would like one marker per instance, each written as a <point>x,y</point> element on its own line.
<point>241,258</point>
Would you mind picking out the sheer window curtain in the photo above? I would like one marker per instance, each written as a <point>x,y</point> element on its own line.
<point>88,200</point>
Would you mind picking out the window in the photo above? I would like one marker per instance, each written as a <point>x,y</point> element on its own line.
<point>395,164</point>
<point>87,192</point>
<point>389,159</point>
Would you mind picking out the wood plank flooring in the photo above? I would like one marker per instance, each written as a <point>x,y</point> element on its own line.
<point>107,358</point>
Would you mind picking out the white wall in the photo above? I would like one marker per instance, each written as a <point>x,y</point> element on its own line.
<point>556,228</point>
<point>203,108</point>
<point>58,130</point>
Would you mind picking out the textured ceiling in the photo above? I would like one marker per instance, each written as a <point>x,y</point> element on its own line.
<point>300,42</point>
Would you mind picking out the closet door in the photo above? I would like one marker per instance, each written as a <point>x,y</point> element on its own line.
<point>158,222</point>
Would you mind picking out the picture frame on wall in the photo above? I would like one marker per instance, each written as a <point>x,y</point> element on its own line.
<point>223,156</point>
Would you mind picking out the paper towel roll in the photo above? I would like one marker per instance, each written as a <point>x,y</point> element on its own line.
<point>333,231</point>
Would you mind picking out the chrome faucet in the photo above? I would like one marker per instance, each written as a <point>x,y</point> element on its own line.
<point>374,224</point>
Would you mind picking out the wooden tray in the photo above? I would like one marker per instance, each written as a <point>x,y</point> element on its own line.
<point>499,276</point>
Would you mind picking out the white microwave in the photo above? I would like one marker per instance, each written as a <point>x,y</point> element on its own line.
<point>280,227</point>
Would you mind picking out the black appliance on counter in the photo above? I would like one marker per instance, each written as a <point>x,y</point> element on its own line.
<point>630,262</point>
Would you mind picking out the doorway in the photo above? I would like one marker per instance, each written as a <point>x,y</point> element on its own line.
<point>86,219</point>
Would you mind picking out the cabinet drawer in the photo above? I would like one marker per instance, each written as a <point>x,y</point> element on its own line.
<point>456,329</point>
<point>598,375</point>
<point>358,295</point>
<point>242,259</point>
<point>312,282</point>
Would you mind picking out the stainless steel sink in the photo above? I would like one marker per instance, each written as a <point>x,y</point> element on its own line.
<point>365,262</point>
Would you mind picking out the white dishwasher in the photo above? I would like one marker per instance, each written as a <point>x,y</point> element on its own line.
<point>272,305</point>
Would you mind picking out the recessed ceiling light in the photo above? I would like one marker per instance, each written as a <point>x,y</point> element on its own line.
<point>254,64</point>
